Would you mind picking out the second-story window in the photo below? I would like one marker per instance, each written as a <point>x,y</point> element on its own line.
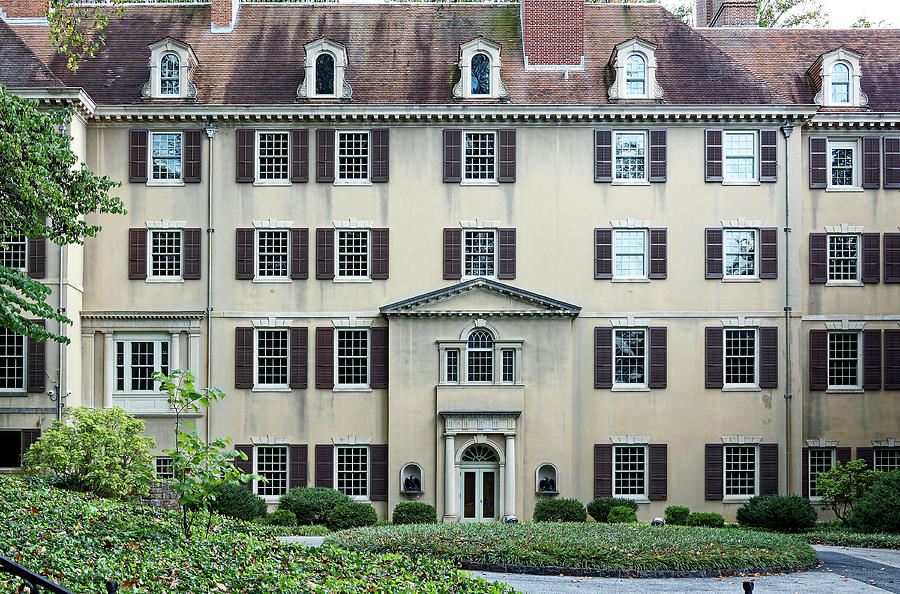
<point>14,252</point>
<point>740,357</point>
<point>165,254</point>
<point>887,459</point>
<point>842,164</point>
<point>740,156</point>
<point>352,157</point>
<point>352,254</point>
<point>166,156</point>
<point>352,354</point>
<point>630,356</point>
<point>272,157</point>
<point>170,75</point>
<point>843,360</point>
<point>631,152</point>
<point>480,156</point>
<point>137,358</point>
<point>325,74</point>
<point>480,357</point>
<point>740,470</point>
<point>272,256</point>
<point>272,358</point>
<point>12,361</point>
<point>479,252</point>
<point>636,76</point>
<point>740,253</point>
<point>840,83</point>
<point>629,253</point>
<point>843,258</point>
<point>481,75</point>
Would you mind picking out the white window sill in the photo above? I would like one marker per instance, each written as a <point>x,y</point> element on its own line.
<point>740,279</point>
<point>273,182</point>
<point>350,279</point>
<point>143,393</point>
<point>845,390</point>
<point>627,182</point>
<point>627,388</point>
<point>815,499</point>
<point>14,393</point>
<point>476,182</point>
<point>640,500</point>
<point>630,280</point>
<point>270,499</point>
<point>737,499</point>
<point>162,279</point>
<point>172,183</point>
<point>844,284</point>
<point>361,389</point>
<point>480,385</point>
<point>742,389</point>
<point>279,279</point>
<point>740,182</point>
<point>844,189</point>
<point>352,182</point>
<point>361,499</point>
<point>270,389</point>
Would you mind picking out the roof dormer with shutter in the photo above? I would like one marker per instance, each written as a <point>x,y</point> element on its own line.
<point>633,63</point>
<point>836,76</point>
<point>171,63</point>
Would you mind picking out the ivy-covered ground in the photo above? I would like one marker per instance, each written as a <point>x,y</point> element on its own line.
<point>80,542</point>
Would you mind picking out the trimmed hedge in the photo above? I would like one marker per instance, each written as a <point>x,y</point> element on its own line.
<point>414,512</point>
<point>236,501</point>
<point>879,508</point>
<point>281,517</point>
<point>622,515</point>
<point>312,505</point>
<point>559,509</point>
<point>708,519</point>
<point>352,515</point>
<point>599,508</point>
<point>781,513</point>
<point>677,515</point>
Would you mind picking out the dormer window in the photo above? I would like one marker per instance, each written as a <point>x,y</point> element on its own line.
<point>324,71</point>
<point>837,75</point>
<point>636,76</point>
<point>169,75</point>
<point>325,74</point>
<point>171,63</point>
<point>634,65</point>
<point>481,75</point>
<point>840,83</point>
<point>479,67</point>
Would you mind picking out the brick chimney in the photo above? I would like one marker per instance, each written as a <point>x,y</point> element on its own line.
<point>725,13</point>
<point>224,15</point>
<point>553,34</point>
<point>24,9</point>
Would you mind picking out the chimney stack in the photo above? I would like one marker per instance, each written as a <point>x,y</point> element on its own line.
<point>553,34</point>
<point>224,15</point>
<point>725,13</point>
<point>24,9</point>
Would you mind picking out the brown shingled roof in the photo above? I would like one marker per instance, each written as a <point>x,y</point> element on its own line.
<point>19,67</point>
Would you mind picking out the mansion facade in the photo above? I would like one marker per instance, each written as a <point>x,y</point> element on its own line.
<point>479,254</point>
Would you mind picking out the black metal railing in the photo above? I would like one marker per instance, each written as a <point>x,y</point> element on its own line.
<point>33,583</point>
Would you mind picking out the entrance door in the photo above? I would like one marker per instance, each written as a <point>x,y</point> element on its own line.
<point>480,486</point>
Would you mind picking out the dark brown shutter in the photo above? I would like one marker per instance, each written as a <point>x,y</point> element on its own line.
<point>380,253</point>
<point>299,254</point>
<point>871,258</point>
<point>243,253</point>
<point>379,366</point>
<point>892,359</point>
<point>768,357</point>
<point>603,358</point>
<point>658,358</point>
<point>191,242</point>
<point>768,469</point>
<point>715,336</point>
<point>325,465</point>
<point>658,155</point>
<point>298,472</point>
<point>299,156</point>
<point>871,359</point>
<point>804,463</point>
<point>714,472</point>
<point>843,455</point>
<point>243,358</point>
<point>452,253</point>
<point>299,355</point>
<point>871,162</point>
<point>768,155</point>
<point>325,155</point>
<point>137,156</point>
<point>29,436</point>
<point>37,257</point>
<point>818,359</point>
<point>659,460</point>
<point>603,468</point>
<point>506,140</point>
<point>245,141</point>
<point>36,353</point>
<point>137,254</point>
<point>818,258</point>
<point>713,253</point>
<point>324,253</point>
<point>892,257</point>
<point>818,162</point>
<point>891,162</point>
<point>506,250</point>
<point>867,455</point>
<point>245,466</point>
<point>658,253</point>
<point>192,156</point>
<point>714,155</point>
<point>378,466</point>
<point>603,253</point>
<point>768,253</point>
<point>603,156</point>
<point>325,357</point>
<point>380,155</point>
<point>452,156</point>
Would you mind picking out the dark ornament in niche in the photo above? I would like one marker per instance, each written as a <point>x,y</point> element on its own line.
<point>547,485</point>
<point>412,484</point>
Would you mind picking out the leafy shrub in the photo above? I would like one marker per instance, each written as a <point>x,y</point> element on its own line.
<point>599,508</point>
<point>281,517</point>
<point>352,515</point>
<point>778,512</point>
<point>101,451</point>
<point>237,501</point>
<point>844,485</point>
<point>414,512</point>
<point>621,515</point>
<point>559,509</point>
<point>711,520</point>
<point>677,515</point>
<point>312,505</point>
<point>879,509</point>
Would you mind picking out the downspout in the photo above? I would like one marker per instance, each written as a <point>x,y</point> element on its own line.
<point>787,129</point>
<point>60,384</point>
<point>211,130</point>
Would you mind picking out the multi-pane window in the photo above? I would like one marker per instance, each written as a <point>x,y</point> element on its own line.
<point>630,471</point>
<point>479,252</point>
<point>169,75</point>
<point>272,357</point>
<point>165,254</point>
<point>887,459</point>
<point>353,156</point>
<point>14,252</point>
<point>740,253</point>
<point>481,74</point>
<point>352,357</point>
<point>272,465</point>
<point>508,365</point>
<point>631,151</point>
<point>480,156</point>
<point>136,361</point>
<point>630,253</point>
<point>740,470</point>
<point>451,366</point>
<point>352,470</point>
<point>12,361</point>
<point>353,254</point>
<point>843,258</point>
<point>740,156</point>
<point>165,468</point>
<point>740,357</point>
<point>272,253</point>
<point>843,360</point>
<point>636,76</point>
<point>840,83</point>
<point>820,461</point>
<point>166,155</point>
<point>325,74</point>
<point>842,164</point>
<point>480,357</point>
<point>631,357</point>
<point>272,156</point>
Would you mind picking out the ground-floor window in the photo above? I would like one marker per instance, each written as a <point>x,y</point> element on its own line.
<point>820,461</point>
<point>630,471</point>
<point>165,468</point>
<point>272,465</point>
<point>887,459</point>
<point>10,449</point>
<point>352,471</point>
<point>137,358</point>
<point>740,471</point>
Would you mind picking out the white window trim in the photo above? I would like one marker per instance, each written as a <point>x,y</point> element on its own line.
<point>740,498</point>
<point>642,387</point>
<point>515,365</point>
<point>339,387</point>
<point>641,277</point>
<point>856,388</point>
<point>187,60</point>
<point>851,143</point>
<point>25,241</point>
<point>352,279</point>
<point>645,498</point>
<point>444,350</point>
<point>754,387</point>
<point>164,279</point>
<point>307,88</point>
<point>258,181</point>
<point>480,182</point>
<point>257,387</point>
<point>643,57</point>
<point>23,387</point>
<point>360,498</point>
<point>463,362</point>
<point>882,448</point>
<point>812,496</point>
<point>851,59</point>
<point>338,181</point>
<point>618,91</point>
<point>642,181</point>
<point>287,457</point>
<point>736,277</point>
<point>130,337</point>
<point>163,182</point>
<point>728,181</point>
<point>271,279</point>
<point>857,282</point>
<point>462,90</point>
<point>496,233</point>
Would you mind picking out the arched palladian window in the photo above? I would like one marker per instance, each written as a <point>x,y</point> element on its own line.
<point>480,356</point>
<point>636,76</point>
<point>479,453</point>
<point>481,74</point>
<point>840,83</point>
<point>325,74</point>
<point>169,75</point>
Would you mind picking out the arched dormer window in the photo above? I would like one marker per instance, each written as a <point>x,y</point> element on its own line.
<point>169,75</point>
<point>479,67</point>
<point>171,62</point>
<point>634,66</point>
<point>481,74</point>
<point>324,70</point>
<point>636,76</point>
<point>838,79</point>
<point>840,83</point>
<point>325,74</point>
<point>480,357</point>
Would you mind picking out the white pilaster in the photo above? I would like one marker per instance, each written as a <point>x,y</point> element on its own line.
<point>509,476</point>
<point>194,355</point>
<point>174,351</point>
<point>109,369</point>
<point>88,397</point>
<point>450,499</point>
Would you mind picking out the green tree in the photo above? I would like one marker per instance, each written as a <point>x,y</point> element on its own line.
<point>864,23</point>
<point>844,485</point>
<point>791,13</point>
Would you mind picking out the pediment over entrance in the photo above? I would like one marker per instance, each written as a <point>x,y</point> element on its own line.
<point>481,297</point>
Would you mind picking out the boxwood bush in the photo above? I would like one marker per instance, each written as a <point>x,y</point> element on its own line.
<point>237,501</point>
<point>281,517</point>
<point>677,515</point>
<point>352,515</point>
<point>414,512</point>
<point>559,509</point>
<point>312,505</point>
<point>879,508</point>
<point>621,515</point>
<point>781,513</point>
<point>708,519</point>
<point>599,508</point>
